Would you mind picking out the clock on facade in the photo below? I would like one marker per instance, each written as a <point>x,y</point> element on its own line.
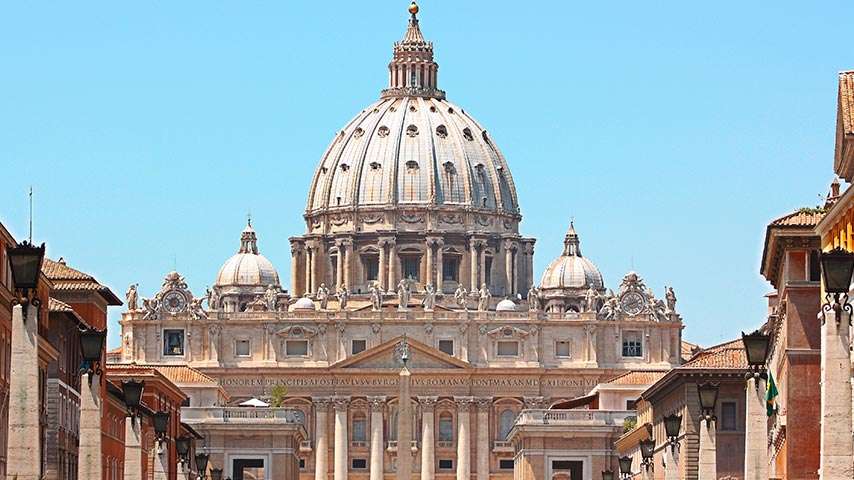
<point>174,302</point>
<point>632,303</point>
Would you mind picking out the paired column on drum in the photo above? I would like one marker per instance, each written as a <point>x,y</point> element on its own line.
<point>387,275</point>
<point>477,258</point>
<point>464,405</point>
<point>510,275</point>
<point>428,455</point>
<point>434,262</point>
<point>343,261</point>
<point>377,440</point>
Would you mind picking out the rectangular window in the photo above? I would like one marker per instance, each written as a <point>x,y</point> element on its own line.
<point>729,416</point>
<point>360,464</point>
<point>358,346</point>
<point>446,428</point>
<point>359,434</point>
<point>632,344</point>
<point>301,463</point>
<point>412,268</point>
<point>173,342</point>
<point>241,348</point>
<point>446,464</point>
<point>631,405</point>
<point>815,267</point>
<point>296,348</point>
<point>562,349</point>
<point>372,268</point>
<point>505,464</point>
<point>450,269</point>
<point>508,349</point>
<point>447,346</point>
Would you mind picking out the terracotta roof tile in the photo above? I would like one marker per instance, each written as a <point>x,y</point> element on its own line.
<point>67,279</point>
<point>177,374</point>
<point>846,102</point>
<point>58,270</point>
<point>646,377</point>
<point>800,218</point>
<point>729,355</point>
<point>55,305</point>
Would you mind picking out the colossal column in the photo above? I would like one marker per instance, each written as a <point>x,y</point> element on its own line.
<point>321,443</point>
<point>463,445</point>
<point>342,439</point>
<point>404,426</point>
<point>377,447</point>
<point>483,407</point>
<point>428,456</point>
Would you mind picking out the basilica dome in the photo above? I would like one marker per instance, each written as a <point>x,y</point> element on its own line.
<point>571,270</point>
<point>247,268</point>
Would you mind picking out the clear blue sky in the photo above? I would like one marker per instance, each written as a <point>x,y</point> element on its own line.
<point>672,131</point>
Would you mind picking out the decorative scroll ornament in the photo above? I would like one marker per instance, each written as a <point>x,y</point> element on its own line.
<point>173,298</point>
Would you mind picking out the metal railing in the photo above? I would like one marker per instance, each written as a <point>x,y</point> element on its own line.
<point>243,415</point>
<point>573,417</point>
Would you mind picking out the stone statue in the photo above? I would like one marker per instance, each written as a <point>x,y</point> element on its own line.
<point>429,298</point>
<point>610,309</point>
<point>131,297</point>
<point>403,293</point>
<point>257,305</point>
<point>534,299</point>
<point>213,298</point>
<point>376,297</point>
<point>591,298</point>
<point>484,297</point>
<point>271,298</point>
<point>151,307</point>
<point>196,310</point>
<point>670,296</point>
<point>460,297</point>
<point>343,297</point>
<point>323,296</point>
<point>660,310</point>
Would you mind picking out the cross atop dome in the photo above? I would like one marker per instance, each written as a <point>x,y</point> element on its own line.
<point>248,239</point>
<point>412,71</point>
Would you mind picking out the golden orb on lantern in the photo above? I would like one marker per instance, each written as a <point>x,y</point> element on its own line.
<point>413,8</point>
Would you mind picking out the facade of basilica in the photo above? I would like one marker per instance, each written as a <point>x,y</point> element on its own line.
<point>412,243</point>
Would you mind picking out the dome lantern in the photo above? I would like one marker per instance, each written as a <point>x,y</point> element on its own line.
<point>412,70</point>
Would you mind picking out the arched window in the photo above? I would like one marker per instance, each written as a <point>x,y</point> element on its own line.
<point>446,427</point>
<point>505,423</point>
<point>392,424</point>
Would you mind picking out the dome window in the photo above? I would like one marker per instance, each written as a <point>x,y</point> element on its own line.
<point>432,109</point>
<point>451,111</point>
<point>485,136</point>
<point>392,109</point>
<point>412,165</point>
<point>375,165</point>
<point>412,108</point>
<point>467,134</point>
<point>345,167</point>
<point>358,133</point>
<point>383,131</point>
<point>442,131</point>
<point>376,110</point>
<point>411,131</point>
<point>449,168</point>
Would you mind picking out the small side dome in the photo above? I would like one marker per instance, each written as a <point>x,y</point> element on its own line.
<point>303,304</point>
<point>571,270</point>
<point>247,268</point>
<point>505,305</point>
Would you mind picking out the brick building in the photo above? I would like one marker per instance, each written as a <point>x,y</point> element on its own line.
<point>676,392</point>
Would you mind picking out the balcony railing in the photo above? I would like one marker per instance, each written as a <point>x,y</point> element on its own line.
<point>391,445</point>
<point>573,417</point>
<point>502,446</point>
<point>249,415</point>
<point>444,444</point>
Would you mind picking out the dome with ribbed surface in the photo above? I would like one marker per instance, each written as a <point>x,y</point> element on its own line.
<point>571,270</point>
<point>247,268</point>
<point>413,148</point>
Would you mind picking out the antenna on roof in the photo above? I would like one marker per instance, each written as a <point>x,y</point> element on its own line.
<point>174,262</point>
<point>31,214</point>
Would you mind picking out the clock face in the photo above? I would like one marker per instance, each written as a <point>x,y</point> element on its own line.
<point>632,303</point>
<point>174,302</point>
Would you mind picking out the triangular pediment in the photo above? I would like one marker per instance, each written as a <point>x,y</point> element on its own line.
<point>421,356</point>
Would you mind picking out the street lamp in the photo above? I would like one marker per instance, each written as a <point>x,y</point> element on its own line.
<point>161,427</point>
<point>202,464</point>
<point>708,393</point>
<point>25,260</point>
<point>91,346</point>
<point>182,448</point>
<point>672,426</point>
<point>756,347</point>
<point>607,475</point>
<point>132,391</point>
<point>647,448</point>
<point>216,474</point>
<point>837,267</point>
<point>625,466</point>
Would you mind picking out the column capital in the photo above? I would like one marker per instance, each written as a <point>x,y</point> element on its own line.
<point>341,403</point>
<point>377,403</point>
<point>464,403</point>
<point>321,402</point>
<point>534,403</point>
<point>428,404</point>
<point>390,241</point>
<point>483,403</point>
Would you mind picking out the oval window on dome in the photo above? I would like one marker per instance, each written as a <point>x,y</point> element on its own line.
<point>433,109</point>
<point>375,165</point>
<point>467,134</point>
<point>412,165</point>
<point>411,131</point>
<point>392,109</point>
<point>413,108</point>
<point>382,131</point>
<point>358,133</point>
<point>344,167</point>
<point>450,110</point>
<point>442,131</point>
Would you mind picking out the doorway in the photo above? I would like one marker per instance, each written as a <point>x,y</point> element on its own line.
<point>248,469</point>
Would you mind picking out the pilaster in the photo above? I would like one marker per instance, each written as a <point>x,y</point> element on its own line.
<point>89,452</point>
<point>24,446</point>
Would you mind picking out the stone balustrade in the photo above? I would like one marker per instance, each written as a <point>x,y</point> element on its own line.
<point>573,417</point>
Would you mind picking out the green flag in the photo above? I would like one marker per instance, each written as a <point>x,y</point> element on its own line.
<point>770,396</point>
